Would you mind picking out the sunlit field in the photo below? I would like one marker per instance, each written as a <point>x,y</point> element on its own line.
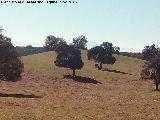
<point>47,92</point>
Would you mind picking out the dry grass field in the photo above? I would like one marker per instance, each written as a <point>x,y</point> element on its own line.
<point>47,92</point>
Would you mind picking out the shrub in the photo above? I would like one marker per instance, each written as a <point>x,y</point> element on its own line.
<point>11,66</point>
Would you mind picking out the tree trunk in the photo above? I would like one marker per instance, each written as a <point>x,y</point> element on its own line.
<point>74,72</point>
<point>156,78</point>
<point>100,66</point>
<point>157,87</point>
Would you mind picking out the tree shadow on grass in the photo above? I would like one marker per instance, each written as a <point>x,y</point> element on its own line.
<point>116,71</point>
<point>18,95</point>
<point>82,79</point>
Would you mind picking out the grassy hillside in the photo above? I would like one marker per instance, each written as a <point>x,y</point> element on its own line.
<point>114,93</point>
<point>43,63</point>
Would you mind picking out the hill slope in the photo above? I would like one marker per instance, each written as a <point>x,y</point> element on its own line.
<point>43,63</point>
<point>114,93</point>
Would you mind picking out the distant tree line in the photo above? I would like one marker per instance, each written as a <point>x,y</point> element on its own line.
<point>132,54</point>
<point>28,50</point>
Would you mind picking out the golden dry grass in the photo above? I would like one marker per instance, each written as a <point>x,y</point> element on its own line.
<point>43,93</point>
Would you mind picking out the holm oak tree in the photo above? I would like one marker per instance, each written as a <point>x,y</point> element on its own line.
<point>68,56</point>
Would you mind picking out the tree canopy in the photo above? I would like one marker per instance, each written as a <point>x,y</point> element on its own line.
<point>116,50</point>
<point>68,56</point>
<point>102,54</point>
<point>11,66</point>
<point>51,42</point>
<point>150,52</point>
<point>108,47</point>
<point>80,42</point>
<point>151,70</point>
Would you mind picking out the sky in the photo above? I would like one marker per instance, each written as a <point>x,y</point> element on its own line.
<point>129,24</point>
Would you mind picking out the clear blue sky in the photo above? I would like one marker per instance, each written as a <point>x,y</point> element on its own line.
<point>126,23</point>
